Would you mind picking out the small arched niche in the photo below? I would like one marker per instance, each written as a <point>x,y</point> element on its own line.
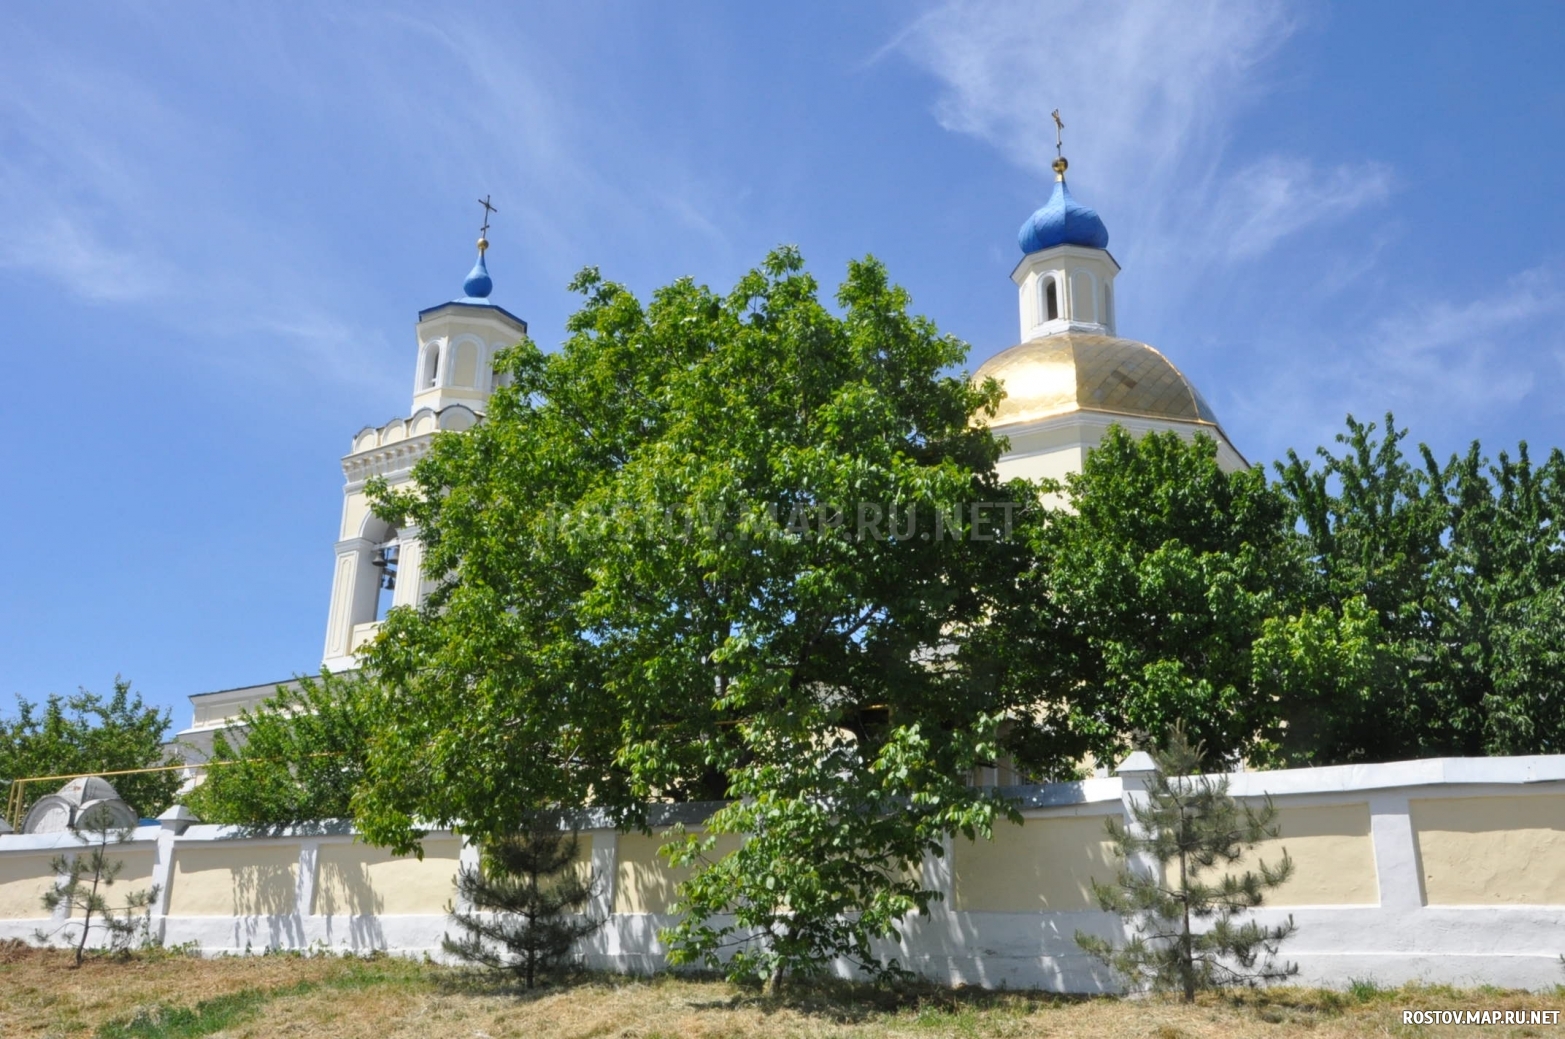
<point>1048,298</point>
<point>429,367</point>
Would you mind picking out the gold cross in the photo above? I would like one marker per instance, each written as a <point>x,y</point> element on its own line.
<point>483,232</point>
<point>1059,140</point>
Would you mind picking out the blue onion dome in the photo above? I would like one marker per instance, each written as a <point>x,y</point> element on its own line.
<point>478,284</point>
<point>1062,221</point>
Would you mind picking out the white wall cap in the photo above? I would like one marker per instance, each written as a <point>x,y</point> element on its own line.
<point>1137,763</point>
<point>65,840</point>
<point>178,818</point>
<point>1520,769</point>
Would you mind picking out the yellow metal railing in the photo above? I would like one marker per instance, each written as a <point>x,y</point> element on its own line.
<point>16,799</point>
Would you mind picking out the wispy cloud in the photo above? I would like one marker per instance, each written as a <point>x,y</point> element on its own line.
<point>1151,94</point>
<point>1274,197</point>
<point>1431,360</point>
<point>1478,350</point>
<point>1143,87</point>
<point>118,195</point>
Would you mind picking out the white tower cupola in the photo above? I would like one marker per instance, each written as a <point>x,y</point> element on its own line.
<point>1065,282</point>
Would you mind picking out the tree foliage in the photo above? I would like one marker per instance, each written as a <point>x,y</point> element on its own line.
<point>87,734</point>
<point>1461,569</point>
<point>87,877</point>
<point>1150,587</point>
<point>297,758</point>
<point>659,585</point>
<point>524,904</point>
<point>1186,830</point>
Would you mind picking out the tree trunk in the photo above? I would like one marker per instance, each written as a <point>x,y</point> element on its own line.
<point>773,986</point>
<point>87,917</point>
<point>1186,949</point>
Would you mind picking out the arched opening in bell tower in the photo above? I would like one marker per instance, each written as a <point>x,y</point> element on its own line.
<point>384,558</point>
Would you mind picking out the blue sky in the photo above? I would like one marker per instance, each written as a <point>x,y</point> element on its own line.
<point>217,223</point>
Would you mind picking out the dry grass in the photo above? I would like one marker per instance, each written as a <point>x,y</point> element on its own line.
<point>268,996</point>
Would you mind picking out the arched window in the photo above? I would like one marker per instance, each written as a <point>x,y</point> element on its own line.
<point>1050,294</point>
<point>431,377</point>
<point>1108,305</point>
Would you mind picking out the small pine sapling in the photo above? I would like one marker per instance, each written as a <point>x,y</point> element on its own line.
<point>88,875</point>
<point>524,904</point>
<point>1187,830</point>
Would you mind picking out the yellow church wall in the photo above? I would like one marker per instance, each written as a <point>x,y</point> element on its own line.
<point>251,879</point>
<point>644,882</point>
<point>135,873</point>
<point>23,881</point>
<point>1491,850</point>
<point>1333,857</point>
<point>1046,863</point>
<point>355,879</point>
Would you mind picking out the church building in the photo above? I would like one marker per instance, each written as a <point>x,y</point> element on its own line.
<point>1069,379</point>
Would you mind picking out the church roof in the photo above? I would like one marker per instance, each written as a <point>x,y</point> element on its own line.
<point>1062,221</point>
<point>1059,374</point>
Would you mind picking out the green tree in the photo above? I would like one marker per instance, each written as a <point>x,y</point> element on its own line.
<point>297,758</point>
<point>1459,565</point>
<point>717,548</point>
<point>88,875</point>
<point>1188,828</point>
<point>1149,589</point>
<point>88,734</point>
<point>525,904</point>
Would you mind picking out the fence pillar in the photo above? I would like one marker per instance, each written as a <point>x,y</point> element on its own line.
<point>1136,774</point>
<point>466,859</point>
<point>171,824</point>
<point>605,864</point>
<point>304,890</point>
<point>1397,870</point>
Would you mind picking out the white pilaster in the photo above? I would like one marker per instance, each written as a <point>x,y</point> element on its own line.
<point>304,889</point>
<point>1397,869</point>
<point>466,859</point>
<point>410,569</point>
<point>605,865</point>
<point>1136,774</point>
<point>352,582</point>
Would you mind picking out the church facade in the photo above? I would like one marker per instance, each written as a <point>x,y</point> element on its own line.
<point>1069,378</point>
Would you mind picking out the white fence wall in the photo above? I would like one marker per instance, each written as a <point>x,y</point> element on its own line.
<point>1445,870</point>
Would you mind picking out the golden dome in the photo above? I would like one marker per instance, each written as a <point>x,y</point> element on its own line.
<point>1059,374</point>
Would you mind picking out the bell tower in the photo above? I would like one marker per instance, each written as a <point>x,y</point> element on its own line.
<point>378,564</point>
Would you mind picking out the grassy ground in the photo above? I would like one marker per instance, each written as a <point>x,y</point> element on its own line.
<point>266,996</point>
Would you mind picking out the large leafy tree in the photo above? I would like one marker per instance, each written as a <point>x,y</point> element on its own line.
<point>1462,567</point>
<point>718,547</point>
<point>297,758</point>
<point>88,733</point>
<point>1155,576</point>
<point>1166,590</point>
